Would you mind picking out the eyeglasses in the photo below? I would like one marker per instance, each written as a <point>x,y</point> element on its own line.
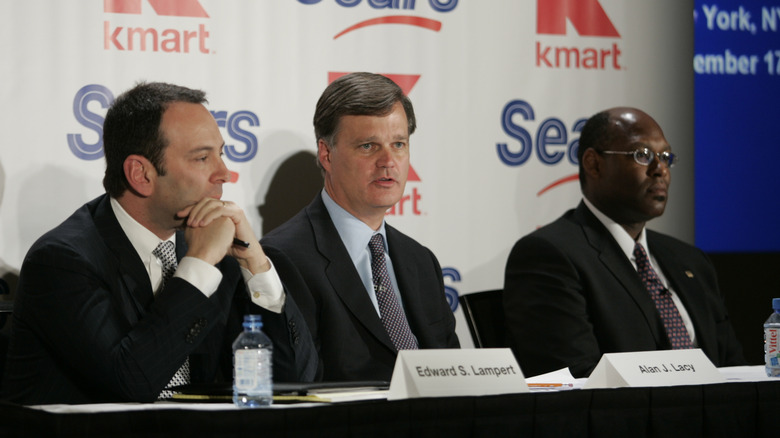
<point>645,156</point>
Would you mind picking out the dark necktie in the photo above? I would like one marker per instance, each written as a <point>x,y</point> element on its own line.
<point>673,323</point>
<point>165,251</point>
<point>393,317</point>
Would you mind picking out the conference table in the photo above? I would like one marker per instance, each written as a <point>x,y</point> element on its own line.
<point>734,408</point>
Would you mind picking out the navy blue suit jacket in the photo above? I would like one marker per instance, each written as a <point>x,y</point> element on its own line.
<point>87,327</point>
<point>351,340</point>
<point>571,295</point>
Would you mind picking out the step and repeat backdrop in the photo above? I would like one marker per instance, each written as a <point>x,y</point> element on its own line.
<point>737,68</point>
<point>501,89</point>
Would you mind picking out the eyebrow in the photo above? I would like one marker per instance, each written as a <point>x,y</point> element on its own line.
<point>205,148</point>
<point>668,147</point>
<point>374,139</point>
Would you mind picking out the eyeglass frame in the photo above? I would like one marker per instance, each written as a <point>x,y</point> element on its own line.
<point>670,161</point>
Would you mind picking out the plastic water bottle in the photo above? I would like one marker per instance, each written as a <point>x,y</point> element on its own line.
<point>252,365</point>
<point>772,341</point>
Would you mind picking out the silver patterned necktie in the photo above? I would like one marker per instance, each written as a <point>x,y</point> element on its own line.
<point>670,316</point>
<point>393,317</point>
<point>166,253</point>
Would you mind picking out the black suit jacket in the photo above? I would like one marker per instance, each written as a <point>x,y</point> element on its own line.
<point>351,340</point>
<point>571,295</point>
<point>87,327</point>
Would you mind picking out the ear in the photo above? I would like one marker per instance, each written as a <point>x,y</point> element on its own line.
<point>591,163</point>
<point>140,174</point>
<point>323,154</point>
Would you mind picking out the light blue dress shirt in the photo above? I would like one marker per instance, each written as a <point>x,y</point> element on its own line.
<point>355,235</point>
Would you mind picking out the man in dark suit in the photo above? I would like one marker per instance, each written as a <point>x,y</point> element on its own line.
<point>97,319</point>
<point>371,289</point>
<point>572,289</point>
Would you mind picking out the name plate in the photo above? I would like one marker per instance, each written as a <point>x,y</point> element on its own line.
<point>653,368</point>
<point>454,372</point>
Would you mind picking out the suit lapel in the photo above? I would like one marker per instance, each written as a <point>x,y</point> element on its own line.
<point>615,261</point>
<point>341,273</point>
<point>131,276</point>
<point>683,282</point>
<point>407,275</point>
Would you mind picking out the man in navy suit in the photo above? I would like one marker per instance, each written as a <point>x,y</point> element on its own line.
<point>572,290</point>
<point>362,124</point>
<point>95,317</point>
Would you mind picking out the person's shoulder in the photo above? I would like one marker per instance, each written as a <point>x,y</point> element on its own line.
<point>559,229</point>
<point>658,238</point>
<point>69,239</point>
<point>396,237</point>
<point>404,246</point>
<point>290,231</point>
<point>78,226</point>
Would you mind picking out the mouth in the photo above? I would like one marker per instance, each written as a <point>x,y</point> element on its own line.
<point>384,181</point>
<point>658,191</point>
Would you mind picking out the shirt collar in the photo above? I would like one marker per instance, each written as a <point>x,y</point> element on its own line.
<point>353,232</point>
<point>621,236</point>
<point>143,240</point>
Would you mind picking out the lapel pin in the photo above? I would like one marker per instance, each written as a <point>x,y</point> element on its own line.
<point>689,274</point>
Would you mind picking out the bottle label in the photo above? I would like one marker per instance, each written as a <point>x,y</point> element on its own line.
<point>252,370</point>
<point>772,348</point>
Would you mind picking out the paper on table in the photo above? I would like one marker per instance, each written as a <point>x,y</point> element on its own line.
<point>755,373</point>
<point>554,381</point>
<point>350,395</point>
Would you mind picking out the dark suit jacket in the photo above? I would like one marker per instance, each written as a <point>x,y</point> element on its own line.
<point>351,340</point>
<point>88,329</point>
<point>571,295</point>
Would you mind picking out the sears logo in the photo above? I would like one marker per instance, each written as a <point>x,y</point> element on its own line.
<point>421,22</point>
<point>450,292</point>
<point>193,39</point>
<point>552,143</point>
<point>589,20</point>
<point>92,97</point>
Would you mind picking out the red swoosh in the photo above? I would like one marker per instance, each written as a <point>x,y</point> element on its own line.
<point>426,23</point>
<point>563,180</point>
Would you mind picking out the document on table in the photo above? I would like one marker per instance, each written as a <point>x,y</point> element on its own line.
<point>560,380</point>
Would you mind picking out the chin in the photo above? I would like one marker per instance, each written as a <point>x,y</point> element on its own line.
<point>387,199</point>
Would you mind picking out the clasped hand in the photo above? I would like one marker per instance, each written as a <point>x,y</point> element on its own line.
<point>211,225</point>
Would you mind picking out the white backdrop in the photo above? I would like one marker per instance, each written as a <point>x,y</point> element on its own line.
<point>499,95</point>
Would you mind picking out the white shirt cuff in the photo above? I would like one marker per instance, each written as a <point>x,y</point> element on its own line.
<point>201,274</point>
<point>265,289</point>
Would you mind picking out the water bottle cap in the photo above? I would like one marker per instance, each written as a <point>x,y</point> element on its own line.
<point>776,303</point>
<point>253,321</point>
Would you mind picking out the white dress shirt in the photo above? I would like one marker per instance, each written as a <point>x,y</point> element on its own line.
<point>265,289</point>
<point>627,243</point>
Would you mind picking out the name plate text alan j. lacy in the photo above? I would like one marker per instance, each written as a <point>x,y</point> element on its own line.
<point>653,368</point>
<point>455,372</point>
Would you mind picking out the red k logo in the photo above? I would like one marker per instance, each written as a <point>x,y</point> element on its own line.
<point>175,8</point>
<point>587,17</point>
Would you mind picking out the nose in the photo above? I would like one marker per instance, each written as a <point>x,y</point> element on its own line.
<point>385,157</point>
<point>221,174</point>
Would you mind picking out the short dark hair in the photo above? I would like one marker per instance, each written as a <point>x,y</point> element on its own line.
<point>358,94</point>
<point>597,131</point>
<point>132,126</point>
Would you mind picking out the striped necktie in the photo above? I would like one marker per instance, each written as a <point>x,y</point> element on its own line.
<point>166,253</point>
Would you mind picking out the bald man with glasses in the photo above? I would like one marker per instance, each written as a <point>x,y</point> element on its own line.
<point>597,281</point>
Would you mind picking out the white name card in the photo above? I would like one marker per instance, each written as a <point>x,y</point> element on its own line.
<point>653,368</point>
<point>455,372</point>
